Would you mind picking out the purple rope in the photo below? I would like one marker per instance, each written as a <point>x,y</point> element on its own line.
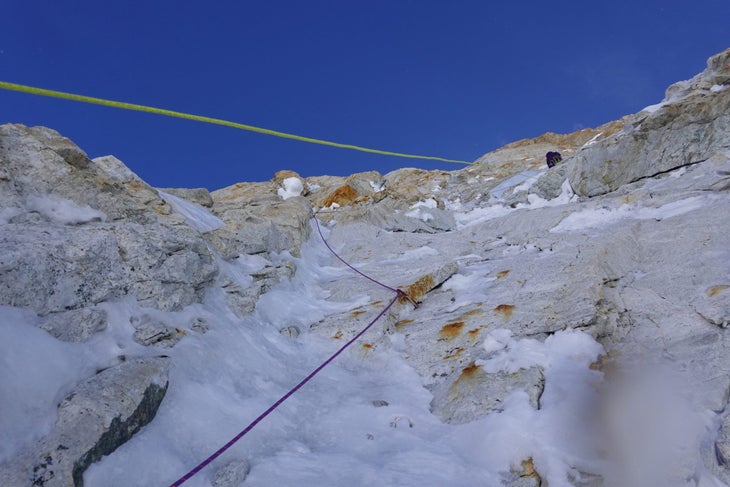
<point>283,398</point>
<point>272,408</point>
<point>319,229</point>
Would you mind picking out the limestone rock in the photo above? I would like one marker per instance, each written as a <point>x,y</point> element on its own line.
<point>67,267</point>
<point>258,220</point>
<point>476,393</point>
<point>232,474</point>
<point>77,325</point>
<point>100,414</point>
<point>199,196</point>
<point>150,331</point>
<point>691,125</point>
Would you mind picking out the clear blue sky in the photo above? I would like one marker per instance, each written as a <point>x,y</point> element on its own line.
<point>448,78</point>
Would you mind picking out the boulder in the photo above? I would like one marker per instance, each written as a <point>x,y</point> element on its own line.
<point>98,416</point>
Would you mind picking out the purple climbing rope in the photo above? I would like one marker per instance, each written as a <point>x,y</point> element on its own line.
<point>398,294</point>
<point>319,229</point>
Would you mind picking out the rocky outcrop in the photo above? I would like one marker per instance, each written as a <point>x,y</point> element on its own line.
<point>689,126</point>
<point>100,414</point>
<point>80,232</point>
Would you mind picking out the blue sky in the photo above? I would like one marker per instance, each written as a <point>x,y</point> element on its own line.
<point>447,78</point>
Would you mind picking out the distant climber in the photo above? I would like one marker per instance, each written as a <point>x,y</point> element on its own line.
<point>553,158</point>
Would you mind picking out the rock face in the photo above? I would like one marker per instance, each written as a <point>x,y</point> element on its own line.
<point>688,127</point>
<point>101,414</point>
<point>119,237</point>
<point>625,240</point>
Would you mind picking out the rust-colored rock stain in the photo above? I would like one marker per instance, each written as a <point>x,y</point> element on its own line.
<point>474,333</point>
<point>402,323</point>
<point>714,290</point>
<point>451,330</point>
<point>470,372</point>
<point>344,195</point>
<point>416,290</point>
<point>502,274</point>
<point>505,310</point>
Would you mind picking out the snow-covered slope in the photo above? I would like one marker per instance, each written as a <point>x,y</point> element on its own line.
<point>571,327</point>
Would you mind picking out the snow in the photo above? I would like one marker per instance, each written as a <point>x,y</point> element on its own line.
<point>420,210</point>
<point>598,217</point>
<point>513,181</point>
<point>654,108</point>
<point>63,211</point>
<point>718,88</point>
<point>377,187</point>
<point>292,187</point>
<point>330,433</point>
<point>7,214</point>
<point>197,217</point>
<point>593,140</point>
<point>37,372</point>
<point>497,210</point>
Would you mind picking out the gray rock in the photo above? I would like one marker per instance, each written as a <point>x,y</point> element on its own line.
<point>475,393</point>
<point>242,299</point>
<point>199,196</point>
<point>290,332</point>
<point>169,267</point>
<point>76,325</point>
<point>232,474</point>
<point>150,331</point>
<point>258,220</point>
<point>690,126</point>
<point>100,414</point>
<point>65,267</point>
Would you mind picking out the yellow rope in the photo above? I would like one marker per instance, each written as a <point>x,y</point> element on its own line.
<point>198,118</point>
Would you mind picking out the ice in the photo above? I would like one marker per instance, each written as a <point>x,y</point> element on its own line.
<point>598,217</point>
<point>197,217</point>
<point>513,181</point>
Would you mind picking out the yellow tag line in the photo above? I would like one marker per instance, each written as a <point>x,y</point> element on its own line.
<point>217,121</point>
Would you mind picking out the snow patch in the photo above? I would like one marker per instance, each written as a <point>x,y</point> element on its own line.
<point>654,108</point>
<point>599,217</point>
<point>480,215</point>
<point>419,210</point>
<point>377,187</point>
<point>63,211</point>
<point>498,191</point>
<point>37,372</point>
<point>718,88</point>
<point>292,187</point>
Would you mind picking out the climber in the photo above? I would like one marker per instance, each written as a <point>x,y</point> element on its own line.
<point>553,158</point>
